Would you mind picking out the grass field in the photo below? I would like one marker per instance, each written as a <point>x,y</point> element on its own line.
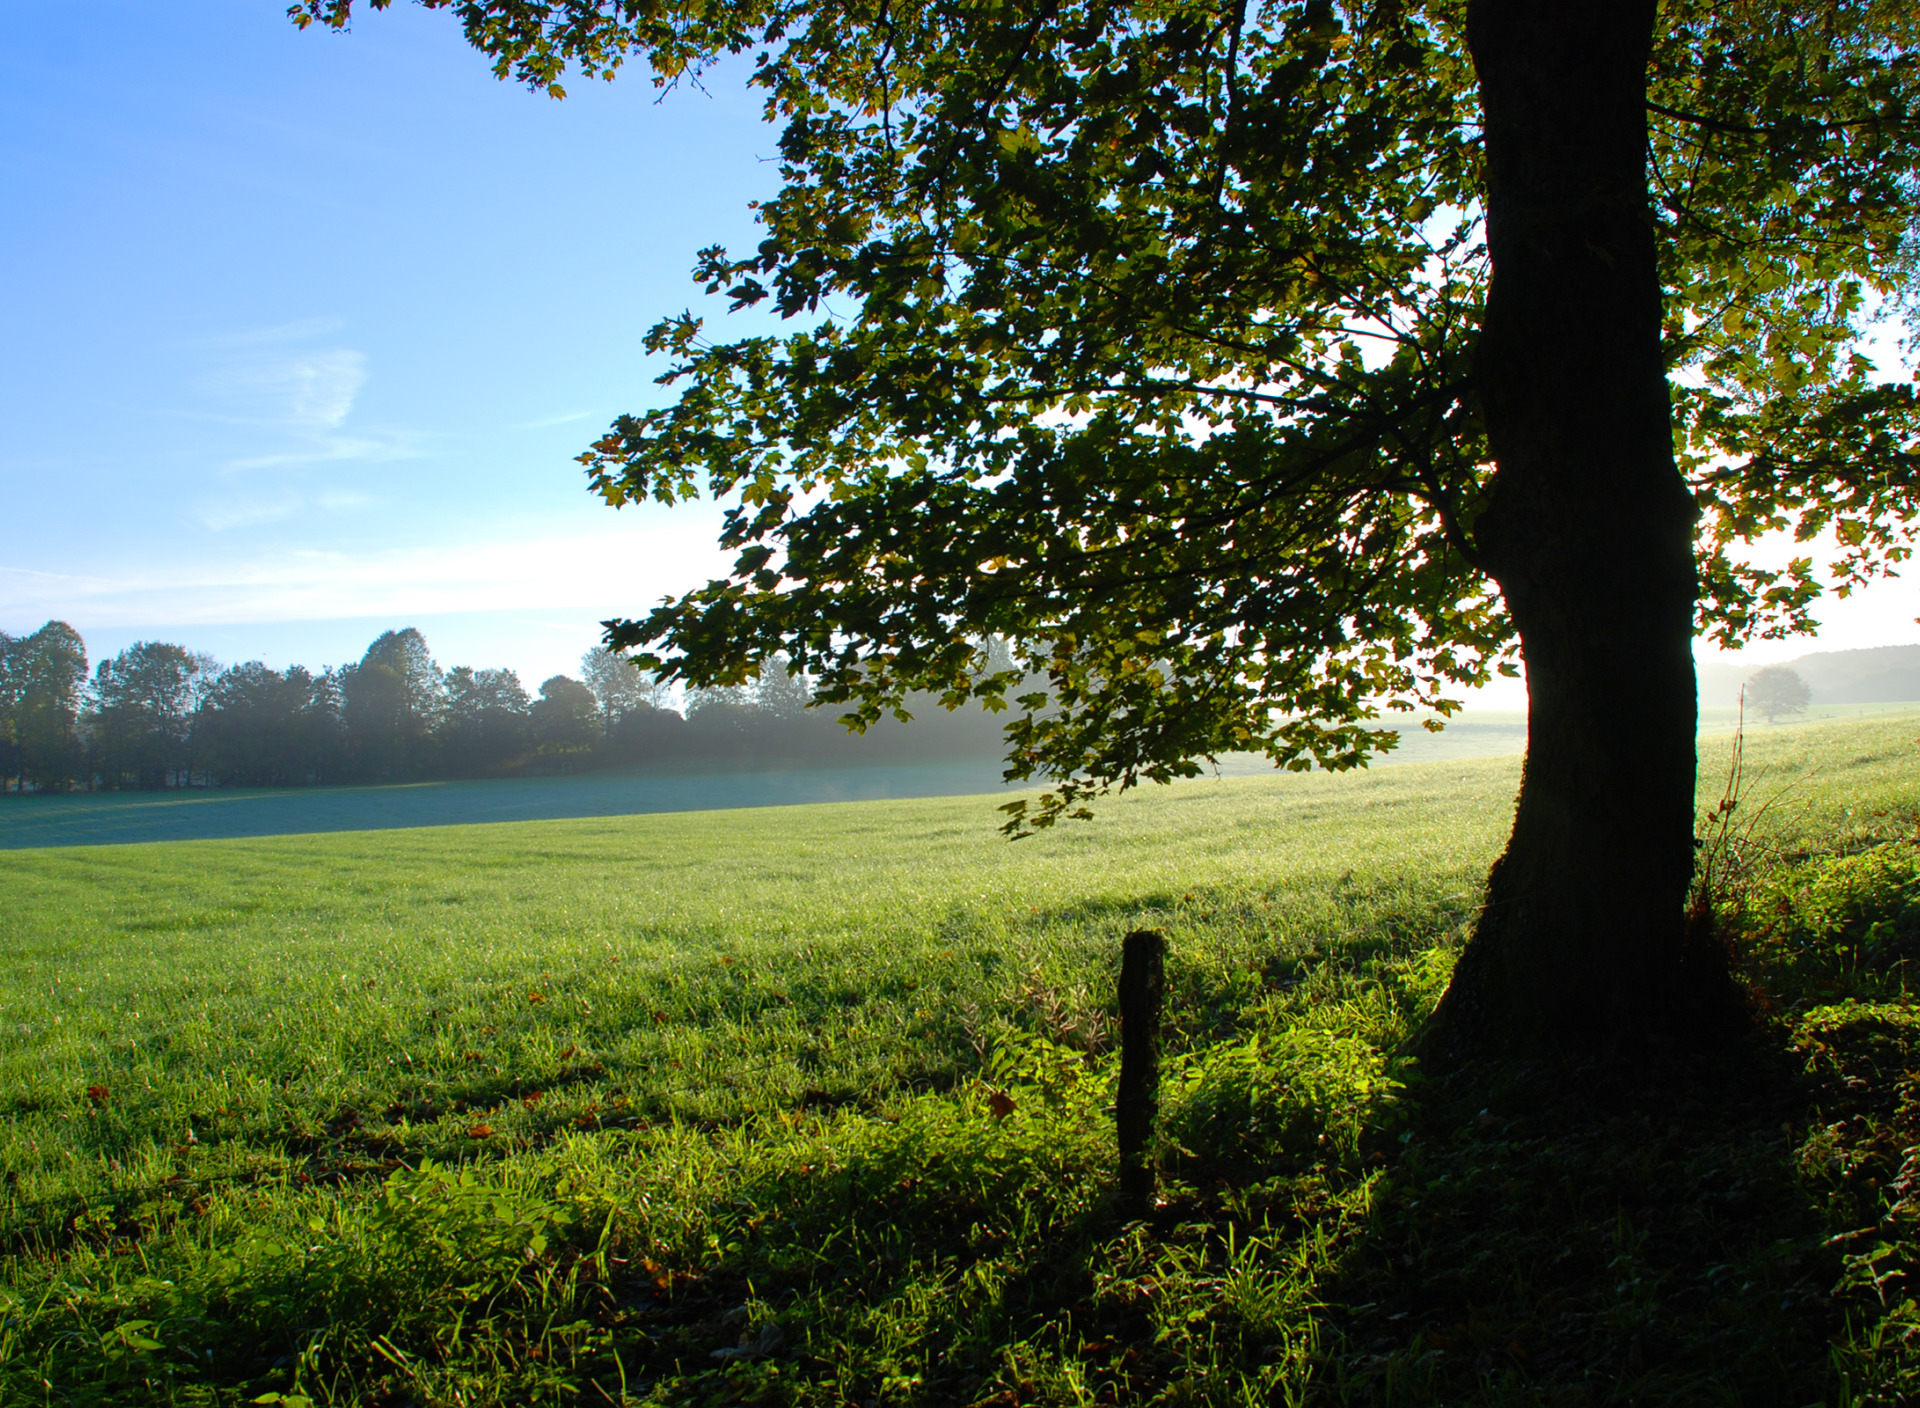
<point>809,1104</point>
<point>227,813</point>
<point>196,814</point>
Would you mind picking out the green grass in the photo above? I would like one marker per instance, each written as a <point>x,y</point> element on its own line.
<point>695,1108</point>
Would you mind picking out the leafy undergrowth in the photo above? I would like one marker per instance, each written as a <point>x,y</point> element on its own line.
<point>1337,1226</point>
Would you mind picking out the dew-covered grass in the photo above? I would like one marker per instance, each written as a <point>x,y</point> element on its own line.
<point>809,1104</point>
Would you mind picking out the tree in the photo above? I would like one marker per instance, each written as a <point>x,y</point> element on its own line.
<point>12,680</point>
<point>784,693</point>
<point>713,699</point>
<point>390,703</point>
<point>1256,369</point>
<point>40,692</point>
<point>1777,690</point>
<point>265,728</point>
<point>647,735</point>
<point>618,686</point>
<point>142,714</point>
<point>637,724</point>
<point>566,717</point>
<point>483,722</point>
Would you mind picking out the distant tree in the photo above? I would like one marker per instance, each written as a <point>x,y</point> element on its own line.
<point>405,652</point>
<point>619,686</point>
<point>264,728</point>
<point>141,716</point>
<point>566,717</point>
<point>391,703</point>
<point>1778,690</point>
<point>10,677</point>
<point>726,724</point>
<point>646,736</point>
<point>783,690</point>
<point>40,694</point>
<point>484,723</point>
<point>740,699</point>
<point>996,656</point>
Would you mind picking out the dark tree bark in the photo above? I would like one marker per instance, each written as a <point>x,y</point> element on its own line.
<point>1583,945</point>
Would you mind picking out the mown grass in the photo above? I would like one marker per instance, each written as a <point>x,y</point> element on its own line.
<point>714,1108</point>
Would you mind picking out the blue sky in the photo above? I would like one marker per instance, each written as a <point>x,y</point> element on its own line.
<point>303,331</point>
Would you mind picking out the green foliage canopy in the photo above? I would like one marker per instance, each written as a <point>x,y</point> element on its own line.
<point>144,707</point>
<point>1140,335</point>
<point>566,716</point>
<point>265,727</point>
<point>42,676</point>
<point>618,688</point>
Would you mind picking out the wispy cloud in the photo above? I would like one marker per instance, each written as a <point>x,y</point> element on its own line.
<point>320,386</point>
<point>311,390</point>
<point>286,395</point>
<point>612,571</point>
<point>548,422</point>
<point>297,330</point>
<point>247,513</point>
<point>323,449</point>
<point>244,511</point>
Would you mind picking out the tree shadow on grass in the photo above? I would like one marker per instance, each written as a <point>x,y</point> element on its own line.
<point>1578,1238</point>
<point>895,1259</point>
<point>1725,1230</point>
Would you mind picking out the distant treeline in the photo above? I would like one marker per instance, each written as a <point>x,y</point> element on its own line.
<point>159,715</point>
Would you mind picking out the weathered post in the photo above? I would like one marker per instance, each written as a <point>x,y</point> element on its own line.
<point>1143,986</point>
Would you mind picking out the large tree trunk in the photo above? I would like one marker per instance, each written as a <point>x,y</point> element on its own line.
<point>1583,945</point>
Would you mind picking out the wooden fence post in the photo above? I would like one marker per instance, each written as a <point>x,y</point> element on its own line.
<point>1143,987</point>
